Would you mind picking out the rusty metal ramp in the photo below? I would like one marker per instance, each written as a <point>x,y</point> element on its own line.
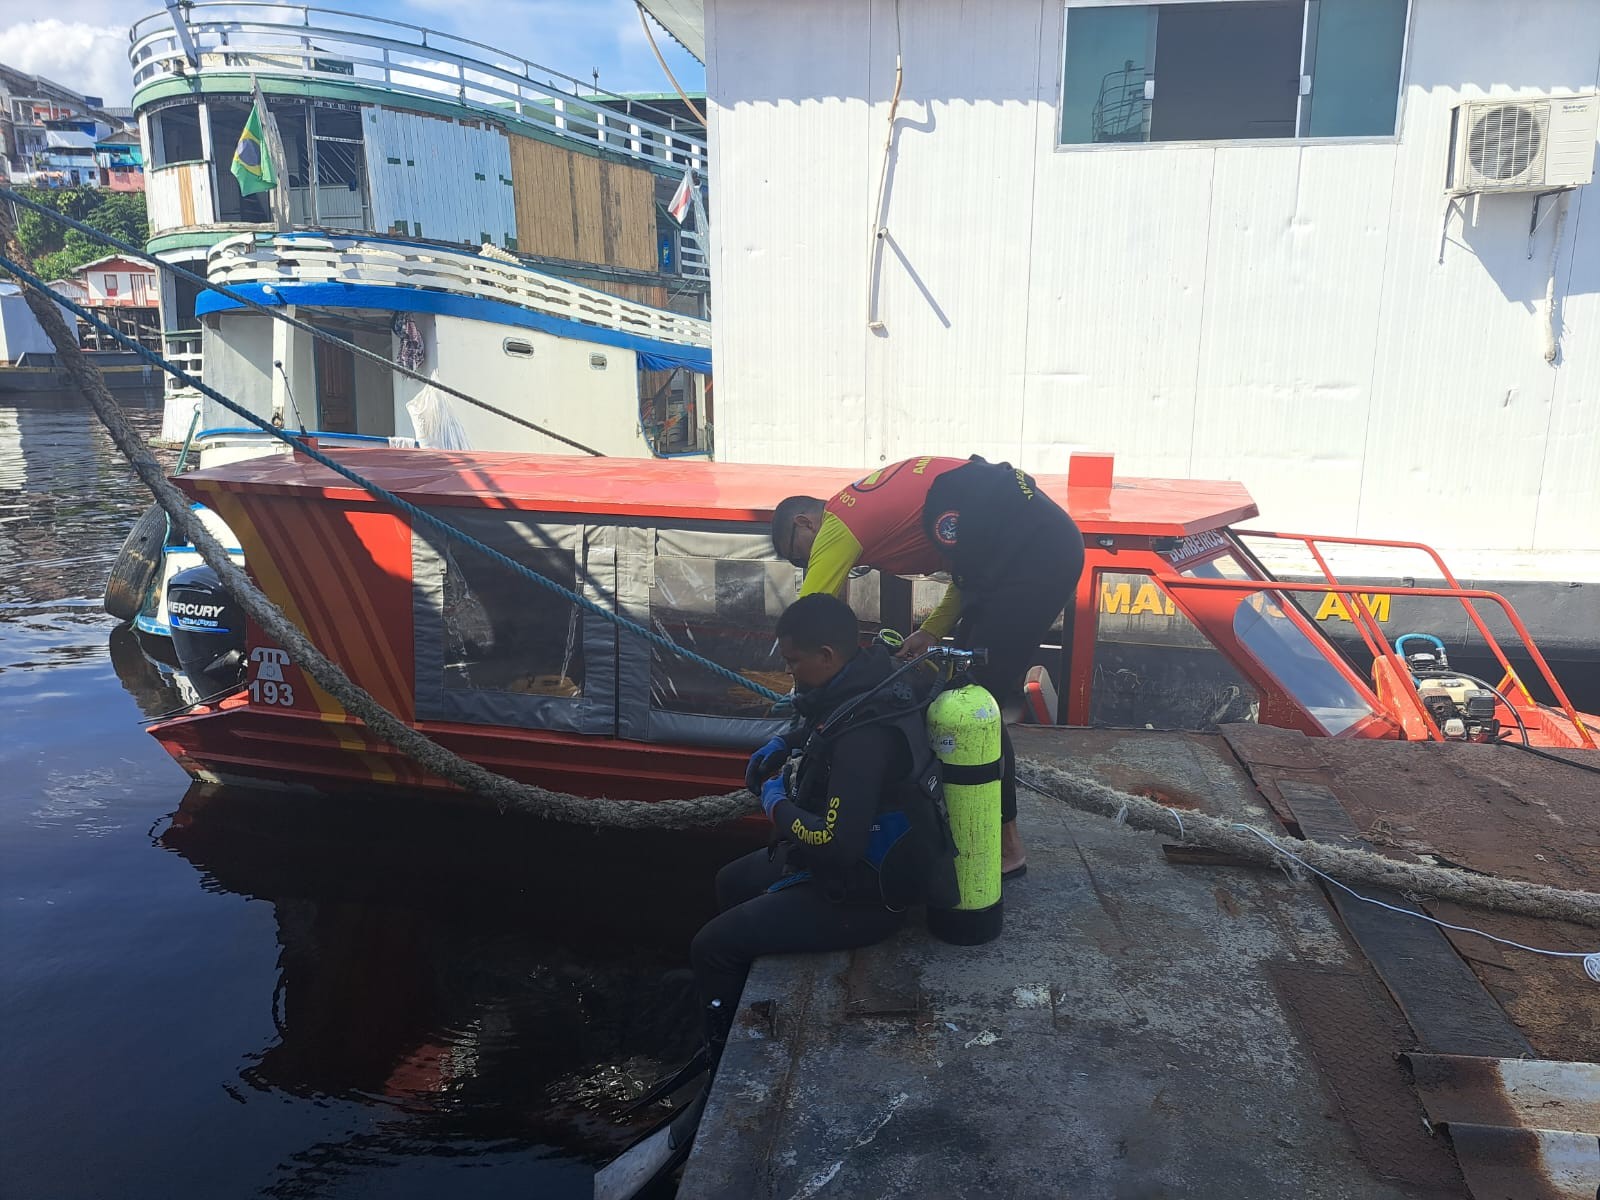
<point>1522,1129</point>
<point>1489,809</point>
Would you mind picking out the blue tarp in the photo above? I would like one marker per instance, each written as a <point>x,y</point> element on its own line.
<point>654,355</point>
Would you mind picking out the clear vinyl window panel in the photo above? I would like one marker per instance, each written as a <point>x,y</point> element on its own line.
<point>724,609</point>
<point>505,634</point>
<point>1154,669</point>
<point>1232,70</point>
<point>1298,659</point>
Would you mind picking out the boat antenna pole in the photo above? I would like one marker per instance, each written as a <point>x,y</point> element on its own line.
<point>289,391</point>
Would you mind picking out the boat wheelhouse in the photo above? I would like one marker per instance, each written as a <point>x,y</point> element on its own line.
<point>492,223</point>
<point>516,678</point>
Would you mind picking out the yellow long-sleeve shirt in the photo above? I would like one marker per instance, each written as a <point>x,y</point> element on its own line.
<point>836,552</point>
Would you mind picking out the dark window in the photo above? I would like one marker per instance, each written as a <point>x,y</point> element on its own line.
<point>1153,669</point>
<point>228,119</point>
<point>504,634</point>
<point>1240,69</point>
<point>184,294</point>
<point>177,134</point>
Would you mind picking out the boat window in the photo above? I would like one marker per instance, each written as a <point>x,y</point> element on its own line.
<point>176,133</point>
<point>1303,663</point>
<point>1154,669</point>
<point>337,148</point>
<point>228,119</point>
<point>504,634</point>
<point>725,609</point>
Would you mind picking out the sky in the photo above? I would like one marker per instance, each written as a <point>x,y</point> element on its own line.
<point>83,44</point>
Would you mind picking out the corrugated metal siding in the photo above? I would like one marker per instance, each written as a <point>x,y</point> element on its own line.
<point>1275,314</point>
<point>927,295</point>
<point>440,178</point>
<point>789,228</point>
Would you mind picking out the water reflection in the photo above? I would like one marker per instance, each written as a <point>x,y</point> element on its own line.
<point>272,994</point>
<point>493,982</point>
<point>67,497</point>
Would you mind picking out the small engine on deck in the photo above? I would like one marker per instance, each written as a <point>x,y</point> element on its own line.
<point>1461,706</point>
<point>207,630</point>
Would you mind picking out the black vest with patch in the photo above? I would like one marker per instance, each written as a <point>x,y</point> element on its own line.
<point>911,856</point>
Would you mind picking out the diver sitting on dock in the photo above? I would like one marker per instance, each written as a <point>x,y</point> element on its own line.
<point>1013,554</point>
<point>859,828</point>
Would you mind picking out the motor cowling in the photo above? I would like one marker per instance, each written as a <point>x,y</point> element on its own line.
<point>207,630</point>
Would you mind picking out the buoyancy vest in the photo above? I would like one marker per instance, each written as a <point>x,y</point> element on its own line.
<point>910,857</point>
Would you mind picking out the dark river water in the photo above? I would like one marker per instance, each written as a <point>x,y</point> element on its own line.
<point>219,994</point>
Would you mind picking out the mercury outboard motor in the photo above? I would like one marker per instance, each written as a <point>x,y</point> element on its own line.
<point>207,630</point>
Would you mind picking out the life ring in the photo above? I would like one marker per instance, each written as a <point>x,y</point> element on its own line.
<point>137,564</point>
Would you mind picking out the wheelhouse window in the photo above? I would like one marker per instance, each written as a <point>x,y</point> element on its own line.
<point>1153,669</point>
<point>176,133</point>
<point>1232,70</point>
<point>1301,660</point>
<point>228,119</point>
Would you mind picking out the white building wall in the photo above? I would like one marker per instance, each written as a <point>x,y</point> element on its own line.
<point>96,283</point>
<point>1276,314</point>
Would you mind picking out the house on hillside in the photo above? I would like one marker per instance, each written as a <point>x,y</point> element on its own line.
<point>50,134</point>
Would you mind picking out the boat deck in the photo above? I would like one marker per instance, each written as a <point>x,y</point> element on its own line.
<point>1149,1026</point>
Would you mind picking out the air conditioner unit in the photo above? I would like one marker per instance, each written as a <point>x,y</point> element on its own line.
<point>1522,145</point>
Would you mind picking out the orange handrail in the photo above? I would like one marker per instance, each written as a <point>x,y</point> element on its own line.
<point>1459,592</point>
<point>1472,613</point>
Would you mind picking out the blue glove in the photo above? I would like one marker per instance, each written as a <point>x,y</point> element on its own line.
<point>771,792</point>
<point>764,762</point>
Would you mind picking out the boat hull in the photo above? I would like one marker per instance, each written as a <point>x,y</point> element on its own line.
<point>236,742</point>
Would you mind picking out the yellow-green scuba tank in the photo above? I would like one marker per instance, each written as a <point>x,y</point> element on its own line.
<point>964,726</point>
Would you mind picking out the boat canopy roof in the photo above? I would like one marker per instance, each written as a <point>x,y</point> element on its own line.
<point>630,488</point>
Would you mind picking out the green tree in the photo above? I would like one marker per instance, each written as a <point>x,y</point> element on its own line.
<point>58,251</point>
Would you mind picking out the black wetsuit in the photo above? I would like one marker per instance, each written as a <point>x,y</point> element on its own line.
<point>1017,556</point>
<point>814,889</point>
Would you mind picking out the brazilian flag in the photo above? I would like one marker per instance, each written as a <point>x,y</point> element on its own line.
<point>252,165</point>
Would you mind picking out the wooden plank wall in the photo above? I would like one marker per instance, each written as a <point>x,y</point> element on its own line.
<point>579,207</point>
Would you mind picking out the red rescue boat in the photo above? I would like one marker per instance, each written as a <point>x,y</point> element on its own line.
<point>516,678</point>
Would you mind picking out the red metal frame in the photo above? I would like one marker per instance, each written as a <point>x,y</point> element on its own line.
<point>1465,595</point>
<point>1240,585</point>
<point>1215,621</point>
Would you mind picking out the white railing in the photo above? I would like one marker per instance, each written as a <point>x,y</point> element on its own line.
<point>303,41</point>
<point>306,258</point>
